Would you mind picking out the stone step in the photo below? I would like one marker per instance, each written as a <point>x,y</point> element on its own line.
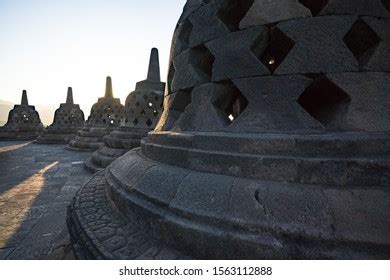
<point>355,171</point>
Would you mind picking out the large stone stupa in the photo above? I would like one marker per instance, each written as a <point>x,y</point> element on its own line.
<point>274,142</point>
<point>23,122</point>
<point>142,111</point>
<point>105,116</point>
<point>68,120</point>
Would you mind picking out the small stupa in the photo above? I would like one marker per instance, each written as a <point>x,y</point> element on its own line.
<point>23,122</point>
<point>68,119</point>
<point>105,116</point>
<point>142,111</point>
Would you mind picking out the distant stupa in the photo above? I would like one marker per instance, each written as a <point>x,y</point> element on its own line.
<point>142,111</point>
<point>105,116</point>
<point>23,122</point>
<point>68,119</point>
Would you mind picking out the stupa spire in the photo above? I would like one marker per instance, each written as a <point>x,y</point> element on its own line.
<point>24,98</point>
<point>69,97</point>
<point>154,66</point>
<point>109,88</point>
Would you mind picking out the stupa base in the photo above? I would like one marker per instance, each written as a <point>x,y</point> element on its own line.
<point>89,139</point>
<point>18,136</point>
<point>98,231</point>
<point>55,138</point>
<point>202,215</point>
<point>116,145</point>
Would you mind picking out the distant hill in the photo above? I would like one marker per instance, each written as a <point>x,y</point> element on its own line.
<point>46,113</point>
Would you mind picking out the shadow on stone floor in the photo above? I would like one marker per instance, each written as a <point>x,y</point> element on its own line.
<point>37,183</point>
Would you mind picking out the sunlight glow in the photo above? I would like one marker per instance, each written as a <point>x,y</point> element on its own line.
<point>51,45</point>
<point>32,187</point>
<point>13,147</point>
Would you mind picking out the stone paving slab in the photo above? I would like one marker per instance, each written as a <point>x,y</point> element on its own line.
<point>37,183</point>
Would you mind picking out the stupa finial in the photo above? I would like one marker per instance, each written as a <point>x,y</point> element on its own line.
<point>154,66</point>
<point>109,88</point>
<point>69,97</point>
<point>24,98</point>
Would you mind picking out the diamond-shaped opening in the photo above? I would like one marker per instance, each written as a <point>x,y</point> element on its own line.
<point>137,104</point>
<point>185,32</point>
<point>232,12</point>
<point>231,104</point>
<point>325,102</point>
<point>155,113</point>
<point>315,6</point>
<point>386,4</point>
<point>136,121</point>
<point>361,39</point>
<point>202,59</point>
<point>279,46</point>
<point>143,113</point>
<point>181,100</point>
<point>149,123</point>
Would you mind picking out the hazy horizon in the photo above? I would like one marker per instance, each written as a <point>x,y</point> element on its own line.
<point>50,45</point>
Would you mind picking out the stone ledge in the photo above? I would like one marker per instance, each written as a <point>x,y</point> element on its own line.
<point>99,232</point>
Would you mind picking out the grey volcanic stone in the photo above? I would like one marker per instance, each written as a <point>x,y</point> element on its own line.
<point>378,58</point>
<point>141,113</point>
<point>319,46</point>
<point>23,122</point>
<point>206,25</point>
<point>105,116</point>
<point>68,119</point>
<point>273,105</point>
<point>202,104</point>
<point>375,8</point>
<point>236,56</point>
<point>274,142</point>
<point>265,12</point>
<point>191,69</point>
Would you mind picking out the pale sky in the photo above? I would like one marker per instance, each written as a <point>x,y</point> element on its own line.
<point>48,45</point>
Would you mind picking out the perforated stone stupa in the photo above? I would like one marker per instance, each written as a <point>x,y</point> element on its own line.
<point>68,120</point>
<point>274,142</point>
<point>23,122</point>
<point>142,111</point>
<point>105,116</point>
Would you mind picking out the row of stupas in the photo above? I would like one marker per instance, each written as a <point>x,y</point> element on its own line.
<point>111,127</point>
<point>273,142</point>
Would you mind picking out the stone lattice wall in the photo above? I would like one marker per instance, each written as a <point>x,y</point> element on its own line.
<point>293,66</point>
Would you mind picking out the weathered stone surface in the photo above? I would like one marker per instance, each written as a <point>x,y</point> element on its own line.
<point>375,8</point>
<point>34,196</point>
<point>206,25</point>
<point>237,54</point>
<point>141,113</point>
<point>105,116</point>
<point>377,57</point>
<point>265,12</point>
<point>291,162</point>
<point>192,68</point>
<point>319,46</point>
<point>23,122</point>
<point>68,119</point>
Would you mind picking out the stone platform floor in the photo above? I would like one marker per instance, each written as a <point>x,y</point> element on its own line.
<point>37,183</point>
